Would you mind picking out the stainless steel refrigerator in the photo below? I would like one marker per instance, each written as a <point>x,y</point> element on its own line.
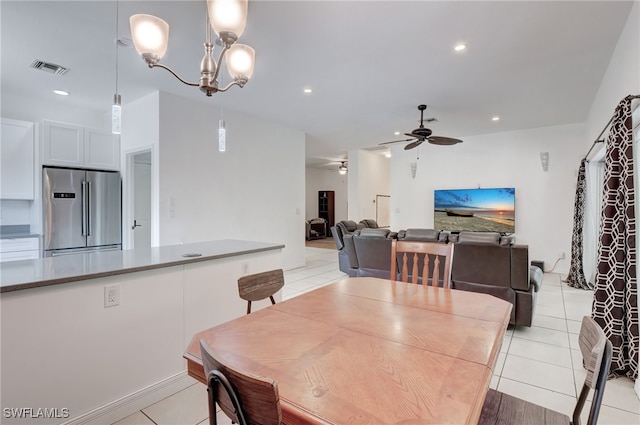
<point>82,210</point>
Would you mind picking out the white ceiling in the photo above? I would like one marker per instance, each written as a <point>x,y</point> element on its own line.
<point>370,63</point>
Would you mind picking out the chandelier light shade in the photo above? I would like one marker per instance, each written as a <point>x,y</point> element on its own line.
<point>228,18</point>
<point>240,61</point>
<point>150,36</point>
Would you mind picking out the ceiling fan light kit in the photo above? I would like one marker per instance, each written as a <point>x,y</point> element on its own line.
<point>227,18</point>
<point>422,134</point>
<point>342,169</point>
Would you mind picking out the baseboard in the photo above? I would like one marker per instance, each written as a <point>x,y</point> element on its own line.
<point>127,405</point>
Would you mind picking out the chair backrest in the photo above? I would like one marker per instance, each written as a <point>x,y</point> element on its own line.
<point>596,355</point>
<point>256,287</point>
<point>424,261</point>
<point>246,399</point>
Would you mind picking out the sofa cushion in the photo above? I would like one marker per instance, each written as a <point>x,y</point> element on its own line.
<point>373,233</point>
<point>422,235</point>
<point>347,226</point>
<point>486,238</point>
<point>370,223</point>
<point>482,264</point>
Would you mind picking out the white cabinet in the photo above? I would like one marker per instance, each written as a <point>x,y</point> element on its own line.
<point>101,150</point>
<point>70,145</point>
<point>16,160</point>
<point>63,144</point>
<point>14,249</point>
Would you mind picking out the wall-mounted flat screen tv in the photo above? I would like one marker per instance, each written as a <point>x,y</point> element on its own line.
<point>479,210</point>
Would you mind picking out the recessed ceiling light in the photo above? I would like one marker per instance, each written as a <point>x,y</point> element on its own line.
<point>61,92</point>
<point>307,91</point>
<point>460,47</point>
<point>496,118</point>
<point>397,133</point>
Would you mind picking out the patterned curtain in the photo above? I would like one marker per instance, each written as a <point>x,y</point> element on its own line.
<point>615,305</point>
<point>576,270</point>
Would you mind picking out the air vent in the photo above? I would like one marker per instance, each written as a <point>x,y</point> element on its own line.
<point>49,67</point>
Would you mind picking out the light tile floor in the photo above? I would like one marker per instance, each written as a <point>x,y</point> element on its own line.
<point>541,364</point>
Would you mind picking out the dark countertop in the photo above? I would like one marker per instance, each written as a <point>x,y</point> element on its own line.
<point>25,274</point>
<point>16,231</point>
<point>19,235</point>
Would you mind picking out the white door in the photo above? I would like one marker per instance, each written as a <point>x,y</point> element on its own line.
<point>141,200</point>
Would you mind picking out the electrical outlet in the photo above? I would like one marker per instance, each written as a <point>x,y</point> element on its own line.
<point>561,255</point>
<point>111,295</point>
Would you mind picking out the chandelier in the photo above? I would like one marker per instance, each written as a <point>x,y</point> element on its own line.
<point>150,36</point>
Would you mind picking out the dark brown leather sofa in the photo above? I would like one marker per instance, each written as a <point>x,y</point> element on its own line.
<point>369,249</point>
<point>345,256</point>
<point>482,264</point>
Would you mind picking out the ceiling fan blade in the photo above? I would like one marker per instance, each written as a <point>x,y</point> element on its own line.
<point>412,135</point>
<point>444,141</point>
<point>413,145</point>
<point>396,141</point>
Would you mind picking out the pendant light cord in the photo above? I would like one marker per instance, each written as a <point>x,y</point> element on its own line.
<point>117,38</point>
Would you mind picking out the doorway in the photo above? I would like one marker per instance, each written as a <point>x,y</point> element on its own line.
<point>139,223</point>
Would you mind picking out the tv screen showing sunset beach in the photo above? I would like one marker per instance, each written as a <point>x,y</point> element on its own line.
<point>478,210</point>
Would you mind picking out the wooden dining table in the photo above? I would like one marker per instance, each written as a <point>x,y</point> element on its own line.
<point>368,351</point>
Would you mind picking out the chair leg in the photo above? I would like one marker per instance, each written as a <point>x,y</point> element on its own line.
<point>272,300</point>
<point>213,419</point>
<point>248,307</point>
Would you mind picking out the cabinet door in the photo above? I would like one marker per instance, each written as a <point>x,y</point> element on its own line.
<point>16,160</point>
<point>63,144</point>
<point>101,150</point>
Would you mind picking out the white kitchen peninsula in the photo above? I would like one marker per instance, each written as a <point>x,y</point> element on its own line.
<point>63,349</point>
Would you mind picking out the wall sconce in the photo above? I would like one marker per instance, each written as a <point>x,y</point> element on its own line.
<point>544,159</point>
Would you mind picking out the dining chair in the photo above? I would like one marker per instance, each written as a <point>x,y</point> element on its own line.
<point>416,259</point>
<point>246,399</point>
<point>500,408</point>
<point>259,286</point>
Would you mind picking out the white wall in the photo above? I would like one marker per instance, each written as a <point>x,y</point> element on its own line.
<point>141,131</point>
<point>544,200</point>
<point>253,191</point>
<point>369,175</point>
<point>621,78</point>
<point>320,179</point>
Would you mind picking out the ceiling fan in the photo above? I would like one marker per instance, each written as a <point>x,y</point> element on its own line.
<point>422,134</point>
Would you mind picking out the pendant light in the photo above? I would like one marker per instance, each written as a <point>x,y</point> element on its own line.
<point>116,108</point>
<point>222,133</point>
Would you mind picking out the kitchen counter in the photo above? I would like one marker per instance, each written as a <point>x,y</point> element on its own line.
<point>25,274</point>
<point>18,235</point>
<point>160,300</point>
<point>16,231</point>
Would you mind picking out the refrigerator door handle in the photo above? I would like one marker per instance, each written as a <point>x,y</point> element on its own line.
<point>85,209</point>
<point>89,208</point>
